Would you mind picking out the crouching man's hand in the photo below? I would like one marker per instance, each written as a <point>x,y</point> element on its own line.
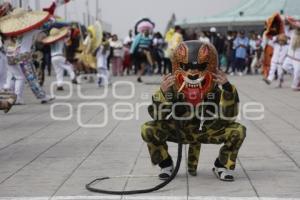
<point>220,77</point>
<point>167,82</point>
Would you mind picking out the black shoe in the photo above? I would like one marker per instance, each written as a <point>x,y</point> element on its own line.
<point>60,88</point>
<point>74,81</point>
<point>139,80</point>
<point>192,172</point>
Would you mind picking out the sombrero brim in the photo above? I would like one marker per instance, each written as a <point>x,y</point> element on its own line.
<point>292,21</point>
<point>18,24</point>
<point>52,39</point>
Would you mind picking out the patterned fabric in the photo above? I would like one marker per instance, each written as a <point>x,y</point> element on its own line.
<point>14,60</point>
<point>31,77</point>
<point>220,129</point>
<point>157,133</point>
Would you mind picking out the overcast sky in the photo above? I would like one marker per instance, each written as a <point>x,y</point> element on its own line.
<point>122,14</point>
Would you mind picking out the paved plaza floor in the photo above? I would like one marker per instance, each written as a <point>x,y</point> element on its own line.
<point>51,151</point>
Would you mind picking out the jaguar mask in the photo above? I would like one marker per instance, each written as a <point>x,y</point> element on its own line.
<point>193,63</point>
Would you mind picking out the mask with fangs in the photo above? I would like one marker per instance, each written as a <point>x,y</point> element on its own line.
<point>193,63</point>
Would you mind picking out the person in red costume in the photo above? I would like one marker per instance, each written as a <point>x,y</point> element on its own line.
<point>273,27</point>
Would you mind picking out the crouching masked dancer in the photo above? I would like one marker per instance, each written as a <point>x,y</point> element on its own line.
<point>191,96</point>
<point>21,26</point>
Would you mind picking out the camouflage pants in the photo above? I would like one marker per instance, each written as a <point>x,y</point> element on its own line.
<point>157,133</point>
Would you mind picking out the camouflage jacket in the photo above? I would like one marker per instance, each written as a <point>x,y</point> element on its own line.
<point>220,106</point>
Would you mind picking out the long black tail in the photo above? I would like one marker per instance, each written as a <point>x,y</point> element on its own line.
<point>90,187</point>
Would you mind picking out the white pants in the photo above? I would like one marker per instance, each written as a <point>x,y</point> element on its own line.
<point>3,70</point>
<point>103,73</point>
<point>274,67</point>
<point>293,67</point>
<point>15,81</point>
<point>104,76</point>
<point>60,64</point>
<point>254,64</point>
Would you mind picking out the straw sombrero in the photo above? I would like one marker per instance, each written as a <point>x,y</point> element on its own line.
<point>55,35</point>
<point>20,21</point>
<point>282,37</point>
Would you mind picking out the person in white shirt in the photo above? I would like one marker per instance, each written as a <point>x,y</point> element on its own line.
<point>292,62</point>
<point>129,38</point>
<point>280,49</point>
<point>103,73</point>
<point>203,37</point>
<point>56,39</point>
<point>117,56</point>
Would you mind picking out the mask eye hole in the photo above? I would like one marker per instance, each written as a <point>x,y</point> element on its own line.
<point>202,67</point>
<point>184,67</point>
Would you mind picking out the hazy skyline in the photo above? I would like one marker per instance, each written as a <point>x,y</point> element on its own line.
<point>122,14</point>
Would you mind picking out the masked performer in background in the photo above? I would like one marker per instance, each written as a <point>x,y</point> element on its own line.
<point>280,49</point>
<point>141,46</point>
<point>206,113</point>
<point>22,26</point>
<point>273,27</point>
<point>90,46</point>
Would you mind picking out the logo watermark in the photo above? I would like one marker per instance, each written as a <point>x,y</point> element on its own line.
<point>124,91</point>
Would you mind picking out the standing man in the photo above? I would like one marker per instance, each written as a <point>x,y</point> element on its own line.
<point>240,45</point>
<point>56,40</point>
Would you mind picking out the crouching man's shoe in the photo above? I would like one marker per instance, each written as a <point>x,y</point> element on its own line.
<point>166,168</point>
<point>166,172</point>
<point>222,173</point>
